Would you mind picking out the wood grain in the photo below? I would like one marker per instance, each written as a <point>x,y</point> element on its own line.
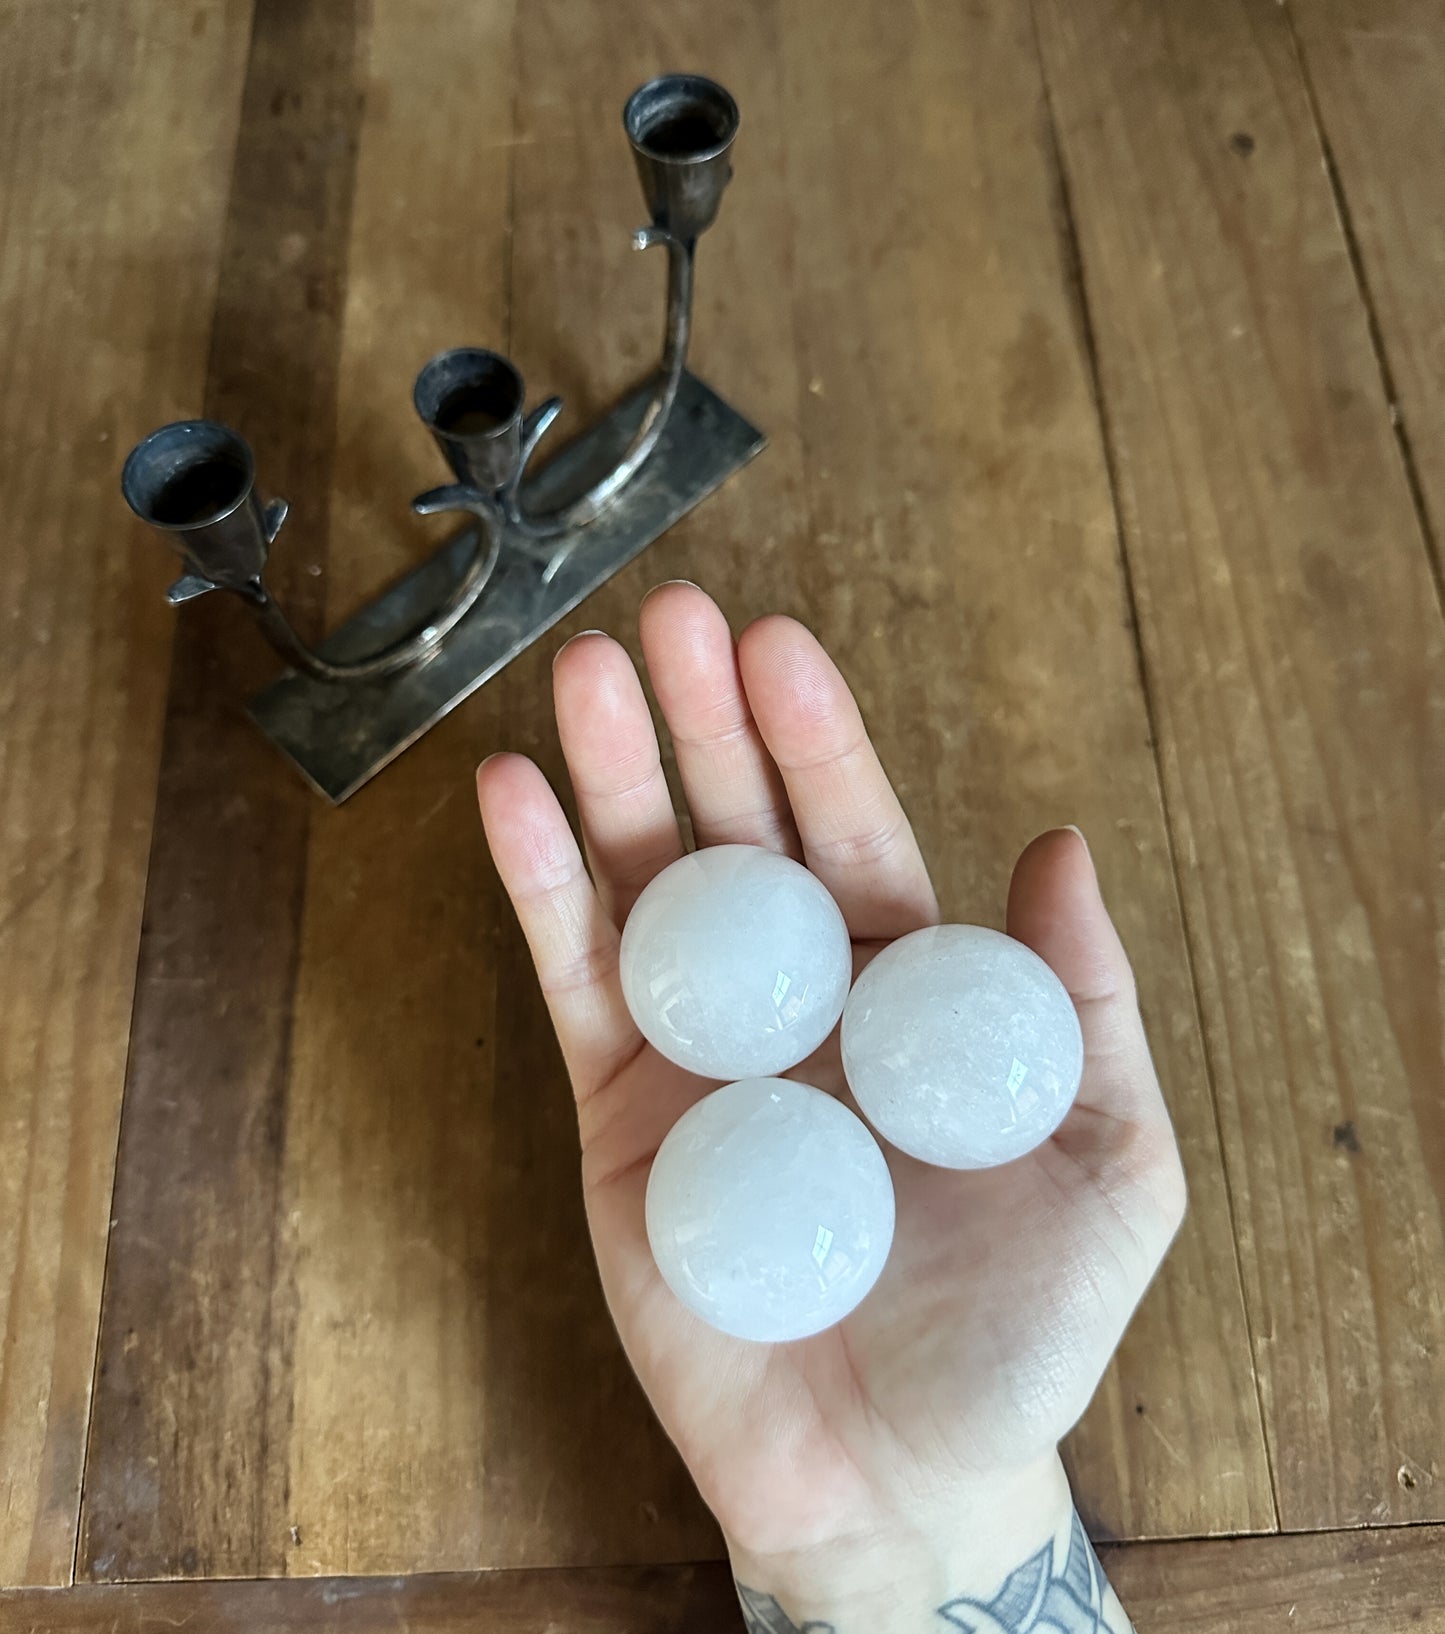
<point>389,1136</point>
<point>576,1468</point>
<point>1375,68</point>
<point>187,1454</point>
<point>1329,1583</point>
<point>351,1322</point>
<point>965,569</point>
<point>635,1600</point>
<point>1350,1582</point>
<point>396,1343</point>
<point>106,286</point>
<point>1294,651</point>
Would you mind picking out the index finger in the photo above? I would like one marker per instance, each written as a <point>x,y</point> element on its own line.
<point>856,837</point>
<point>574,943</point>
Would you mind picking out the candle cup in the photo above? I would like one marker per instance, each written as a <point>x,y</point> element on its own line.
<point>471,400</point>
<point>681,128</point>
<point>194,481</point>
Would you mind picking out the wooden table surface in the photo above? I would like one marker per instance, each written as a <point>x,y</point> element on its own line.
<point>1101,347</point>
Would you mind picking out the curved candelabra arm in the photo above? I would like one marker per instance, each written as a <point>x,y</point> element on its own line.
<point>578,512</point>
<point>194,481</point>
<point>415,646</point>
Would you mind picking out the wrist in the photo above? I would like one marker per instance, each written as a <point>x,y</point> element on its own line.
<point>896,1573</point>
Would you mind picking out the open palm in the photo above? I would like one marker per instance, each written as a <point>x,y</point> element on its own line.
<point>1007,1289</point>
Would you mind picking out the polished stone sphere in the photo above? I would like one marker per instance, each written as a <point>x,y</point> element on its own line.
<point>770,1210</point>
<point>962,1047</point>
<point>735,962</point>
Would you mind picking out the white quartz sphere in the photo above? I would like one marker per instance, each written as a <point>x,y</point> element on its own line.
<point>735,962</point>
<point>770,1210</point>
<point>962,1047</point>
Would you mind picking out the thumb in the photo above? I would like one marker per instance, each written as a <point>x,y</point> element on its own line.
<point>1054,907</point>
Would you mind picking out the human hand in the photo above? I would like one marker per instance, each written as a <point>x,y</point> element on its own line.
<point>916,1441</point>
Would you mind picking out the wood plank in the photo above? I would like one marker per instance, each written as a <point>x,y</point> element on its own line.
<point>577,1470</point>
<point>1349,1582</point>
<point>187,1463</point>
<point>1293,647</point>
<point>107,281</point>
<point>630,1600</point>
<point>273,1452</point>
<point>1325,1583</point>
<point>965,568</point>
<point>1376,68</point>
<point>386,1245</point>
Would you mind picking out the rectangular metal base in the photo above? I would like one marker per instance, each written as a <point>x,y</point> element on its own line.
<point>339,735</point>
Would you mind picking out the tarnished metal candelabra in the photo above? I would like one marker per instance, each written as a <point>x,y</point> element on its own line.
<point>536,543</point>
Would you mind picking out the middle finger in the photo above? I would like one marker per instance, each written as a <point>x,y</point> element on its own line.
<point>734,791</point>
<point>628,823</point>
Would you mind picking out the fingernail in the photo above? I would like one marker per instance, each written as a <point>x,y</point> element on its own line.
<point>1074,828</point>
<point>570,639</point>
<point>691,584</point>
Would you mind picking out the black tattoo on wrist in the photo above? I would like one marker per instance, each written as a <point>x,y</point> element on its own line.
<point>1036,1597</point>
<point>763,1615</point>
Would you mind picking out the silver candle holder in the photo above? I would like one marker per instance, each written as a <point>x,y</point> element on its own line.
<point>536,543</point>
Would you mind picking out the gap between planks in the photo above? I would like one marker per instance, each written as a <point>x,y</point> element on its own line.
<point>1077,284</point>
<point>1367,300</point>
